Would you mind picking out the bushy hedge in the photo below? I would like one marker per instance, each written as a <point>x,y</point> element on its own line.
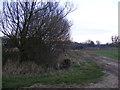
<point>44,54</point>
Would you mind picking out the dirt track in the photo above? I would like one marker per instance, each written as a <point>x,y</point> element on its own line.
<point>110,66</point>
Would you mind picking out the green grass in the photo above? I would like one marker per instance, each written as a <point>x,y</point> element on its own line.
<point>113,53</point>
<point>81,74</point>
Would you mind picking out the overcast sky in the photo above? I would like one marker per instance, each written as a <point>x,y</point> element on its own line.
<point>93,19</point>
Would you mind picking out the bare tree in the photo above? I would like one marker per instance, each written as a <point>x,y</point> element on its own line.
<point>26,23</point>
<point>115,40</point>
<point>98,42</point>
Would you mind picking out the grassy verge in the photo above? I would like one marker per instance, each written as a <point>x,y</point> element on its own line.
<point>82,74</point>
<point>109,53</point>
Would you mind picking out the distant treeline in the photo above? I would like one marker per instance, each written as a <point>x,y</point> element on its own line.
<point>76,45</point>
<point>66,44</point>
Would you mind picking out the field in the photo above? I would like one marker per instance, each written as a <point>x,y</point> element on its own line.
<point>81,74</point>
<point>111,53</point>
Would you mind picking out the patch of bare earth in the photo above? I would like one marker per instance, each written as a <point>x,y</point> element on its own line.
<point>108,81</point>
<point>61,85</point>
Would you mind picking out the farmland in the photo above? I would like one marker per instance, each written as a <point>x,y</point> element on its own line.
<point>111,53</point>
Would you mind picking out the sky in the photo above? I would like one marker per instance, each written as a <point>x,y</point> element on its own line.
<point>93,20</point>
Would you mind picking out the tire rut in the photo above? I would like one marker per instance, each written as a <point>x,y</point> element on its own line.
<point>108,64</point>
<point>110,68</point>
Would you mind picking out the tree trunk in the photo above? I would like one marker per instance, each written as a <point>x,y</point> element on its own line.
<point>23,55</point>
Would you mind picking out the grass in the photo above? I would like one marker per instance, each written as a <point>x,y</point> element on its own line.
<point>81,74</point>
<point>113,53</point>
